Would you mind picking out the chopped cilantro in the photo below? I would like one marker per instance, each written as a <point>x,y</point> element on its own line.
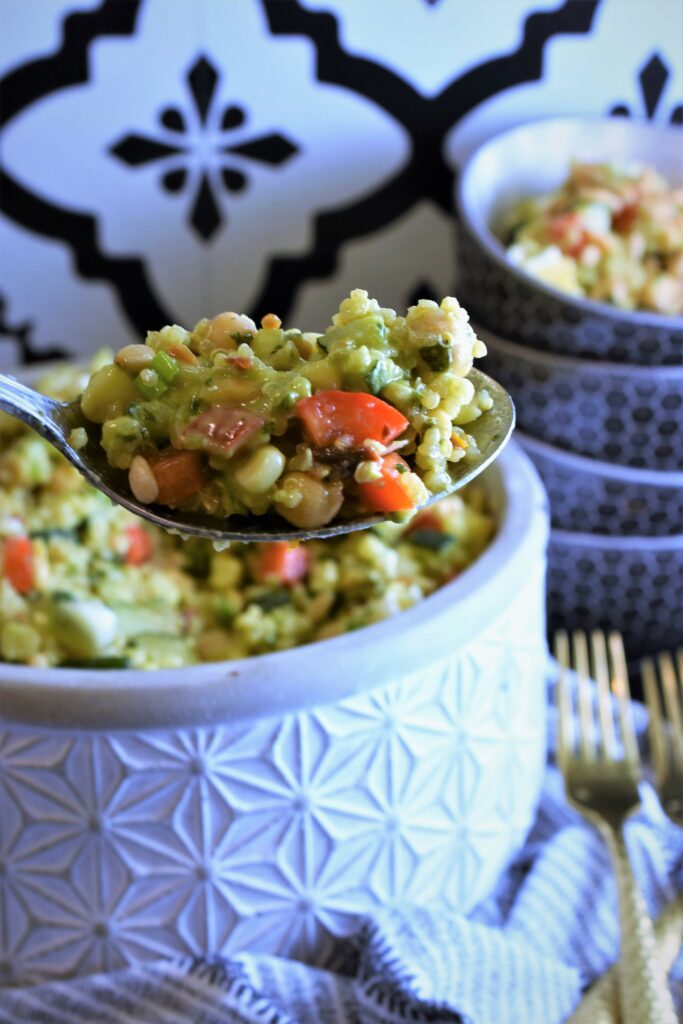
<point>437,357</point>
<point>434,540</point>
<point>377,377</point>
<point>272,599</point>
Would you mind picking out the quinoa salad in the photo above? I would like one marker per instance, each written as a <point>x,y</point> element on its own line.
<point>85,583</point>
<point>610,233</point>
<point>230,419</point>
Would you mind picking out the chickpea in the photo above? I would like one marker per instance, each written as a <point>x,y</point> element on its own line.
<point>261,469</point>
<point>222,327</point>
<point>319,503</point>
<point>271,322</point>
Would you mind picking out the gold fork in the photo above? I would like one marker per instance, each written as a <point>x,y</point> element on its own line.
<point>666,739</point>
<point>602,784</point>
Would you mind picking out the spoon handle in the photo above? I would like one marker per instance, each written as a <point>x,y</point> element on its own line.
<point>29,406</point>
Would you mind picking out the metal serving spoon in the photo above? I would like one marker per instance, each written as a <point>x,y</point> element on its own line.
<point>55,420</point>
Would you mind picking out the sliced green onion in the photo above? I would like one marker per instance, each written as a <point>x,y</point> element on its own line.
<point>149,384</point>
<point>166,366</point>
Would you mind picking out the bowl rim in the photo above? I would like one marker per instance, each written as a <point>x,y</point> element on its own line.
<point>660,478</point>
<point>627,543</point>
<point>486,239</point>
<point>215,692</point>
<point>565,364</point>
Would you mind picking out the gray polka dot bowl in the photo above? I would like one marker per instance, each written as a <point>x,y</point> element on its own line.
<point>590,496</point>
<point>633,584</point>
<point>533,159</point>
<point>268,804</point>
<point>631,415</point>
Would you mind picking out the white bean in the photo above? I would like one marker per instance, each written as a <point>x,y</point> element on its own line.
<point>261,469</point>
<point>142,481</point>
<point>222,327</point>
<point>134,358</point>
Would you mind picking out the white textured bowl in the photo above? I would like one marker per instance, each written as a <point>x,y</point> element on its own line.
<point>266,804</point>
<point>533,159</point>
<point>591,496</point>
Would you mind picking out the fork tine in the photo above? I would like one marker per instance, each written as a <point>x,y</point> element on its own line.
<point>654,706</point>
<point>667,674</point>
<point>601,672</point>
<point>565,725</point>
<point>620,689</point>
<point>586,721</point>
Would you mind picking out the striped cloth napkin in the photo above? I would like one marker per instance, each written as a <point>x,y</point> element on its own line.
<point>526,955</point>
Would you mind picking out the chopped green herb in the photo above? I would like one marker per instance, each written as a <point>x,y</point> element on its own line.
<point>105,661</point>
<point>438,357</point>
<point>377,377</point>
<point>273,599</point>
<point>225,611</point>
<point>242,338</point>
<point>400,468</point>
<point>197,558</point>
<point>54,531</point>
<point>434,540</point>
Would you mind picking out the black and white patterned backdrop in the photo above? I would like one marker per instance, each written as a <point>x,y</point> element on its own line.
<point>166,159</point>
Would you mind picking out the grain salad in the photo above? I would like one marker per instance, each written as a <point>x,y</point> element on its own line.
<point>610,233</point>
<point>231,419</point>
<point>84,583</point>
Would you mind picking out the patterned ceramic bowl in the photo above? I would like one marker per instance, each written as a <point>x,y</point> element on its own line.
<point>590,496</point>
<point>633,584</point>
<point>266,804</point>
<point>530,160</point>
<point>631,415</point>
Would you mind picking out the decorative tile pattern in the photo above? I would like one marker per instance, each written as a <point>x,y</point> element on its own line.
<point>202,133</point>
<point>275,835</point>
<point>147,144</point>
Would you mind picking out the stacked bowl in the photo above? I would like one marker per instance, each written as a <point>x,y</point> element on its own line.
<point>598,390</point>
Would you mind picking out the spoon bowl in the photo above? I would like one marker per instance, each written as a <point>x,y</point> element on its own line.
<point>54,421</point>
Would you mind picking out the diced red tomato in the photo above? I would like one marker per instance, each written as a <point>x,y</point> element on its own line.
<point>329,415</point>
<point>139,544</point>
<point>221,430</point>
<point>17,563</point>
<point>280,562</point>
<point>179,475</point>
<point>567,231</point>
<point>387,495</point>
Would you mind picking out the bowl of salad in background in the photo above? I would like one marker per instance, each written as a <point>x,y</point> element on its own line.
<point>517,272</point>
<point>261,802</point>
